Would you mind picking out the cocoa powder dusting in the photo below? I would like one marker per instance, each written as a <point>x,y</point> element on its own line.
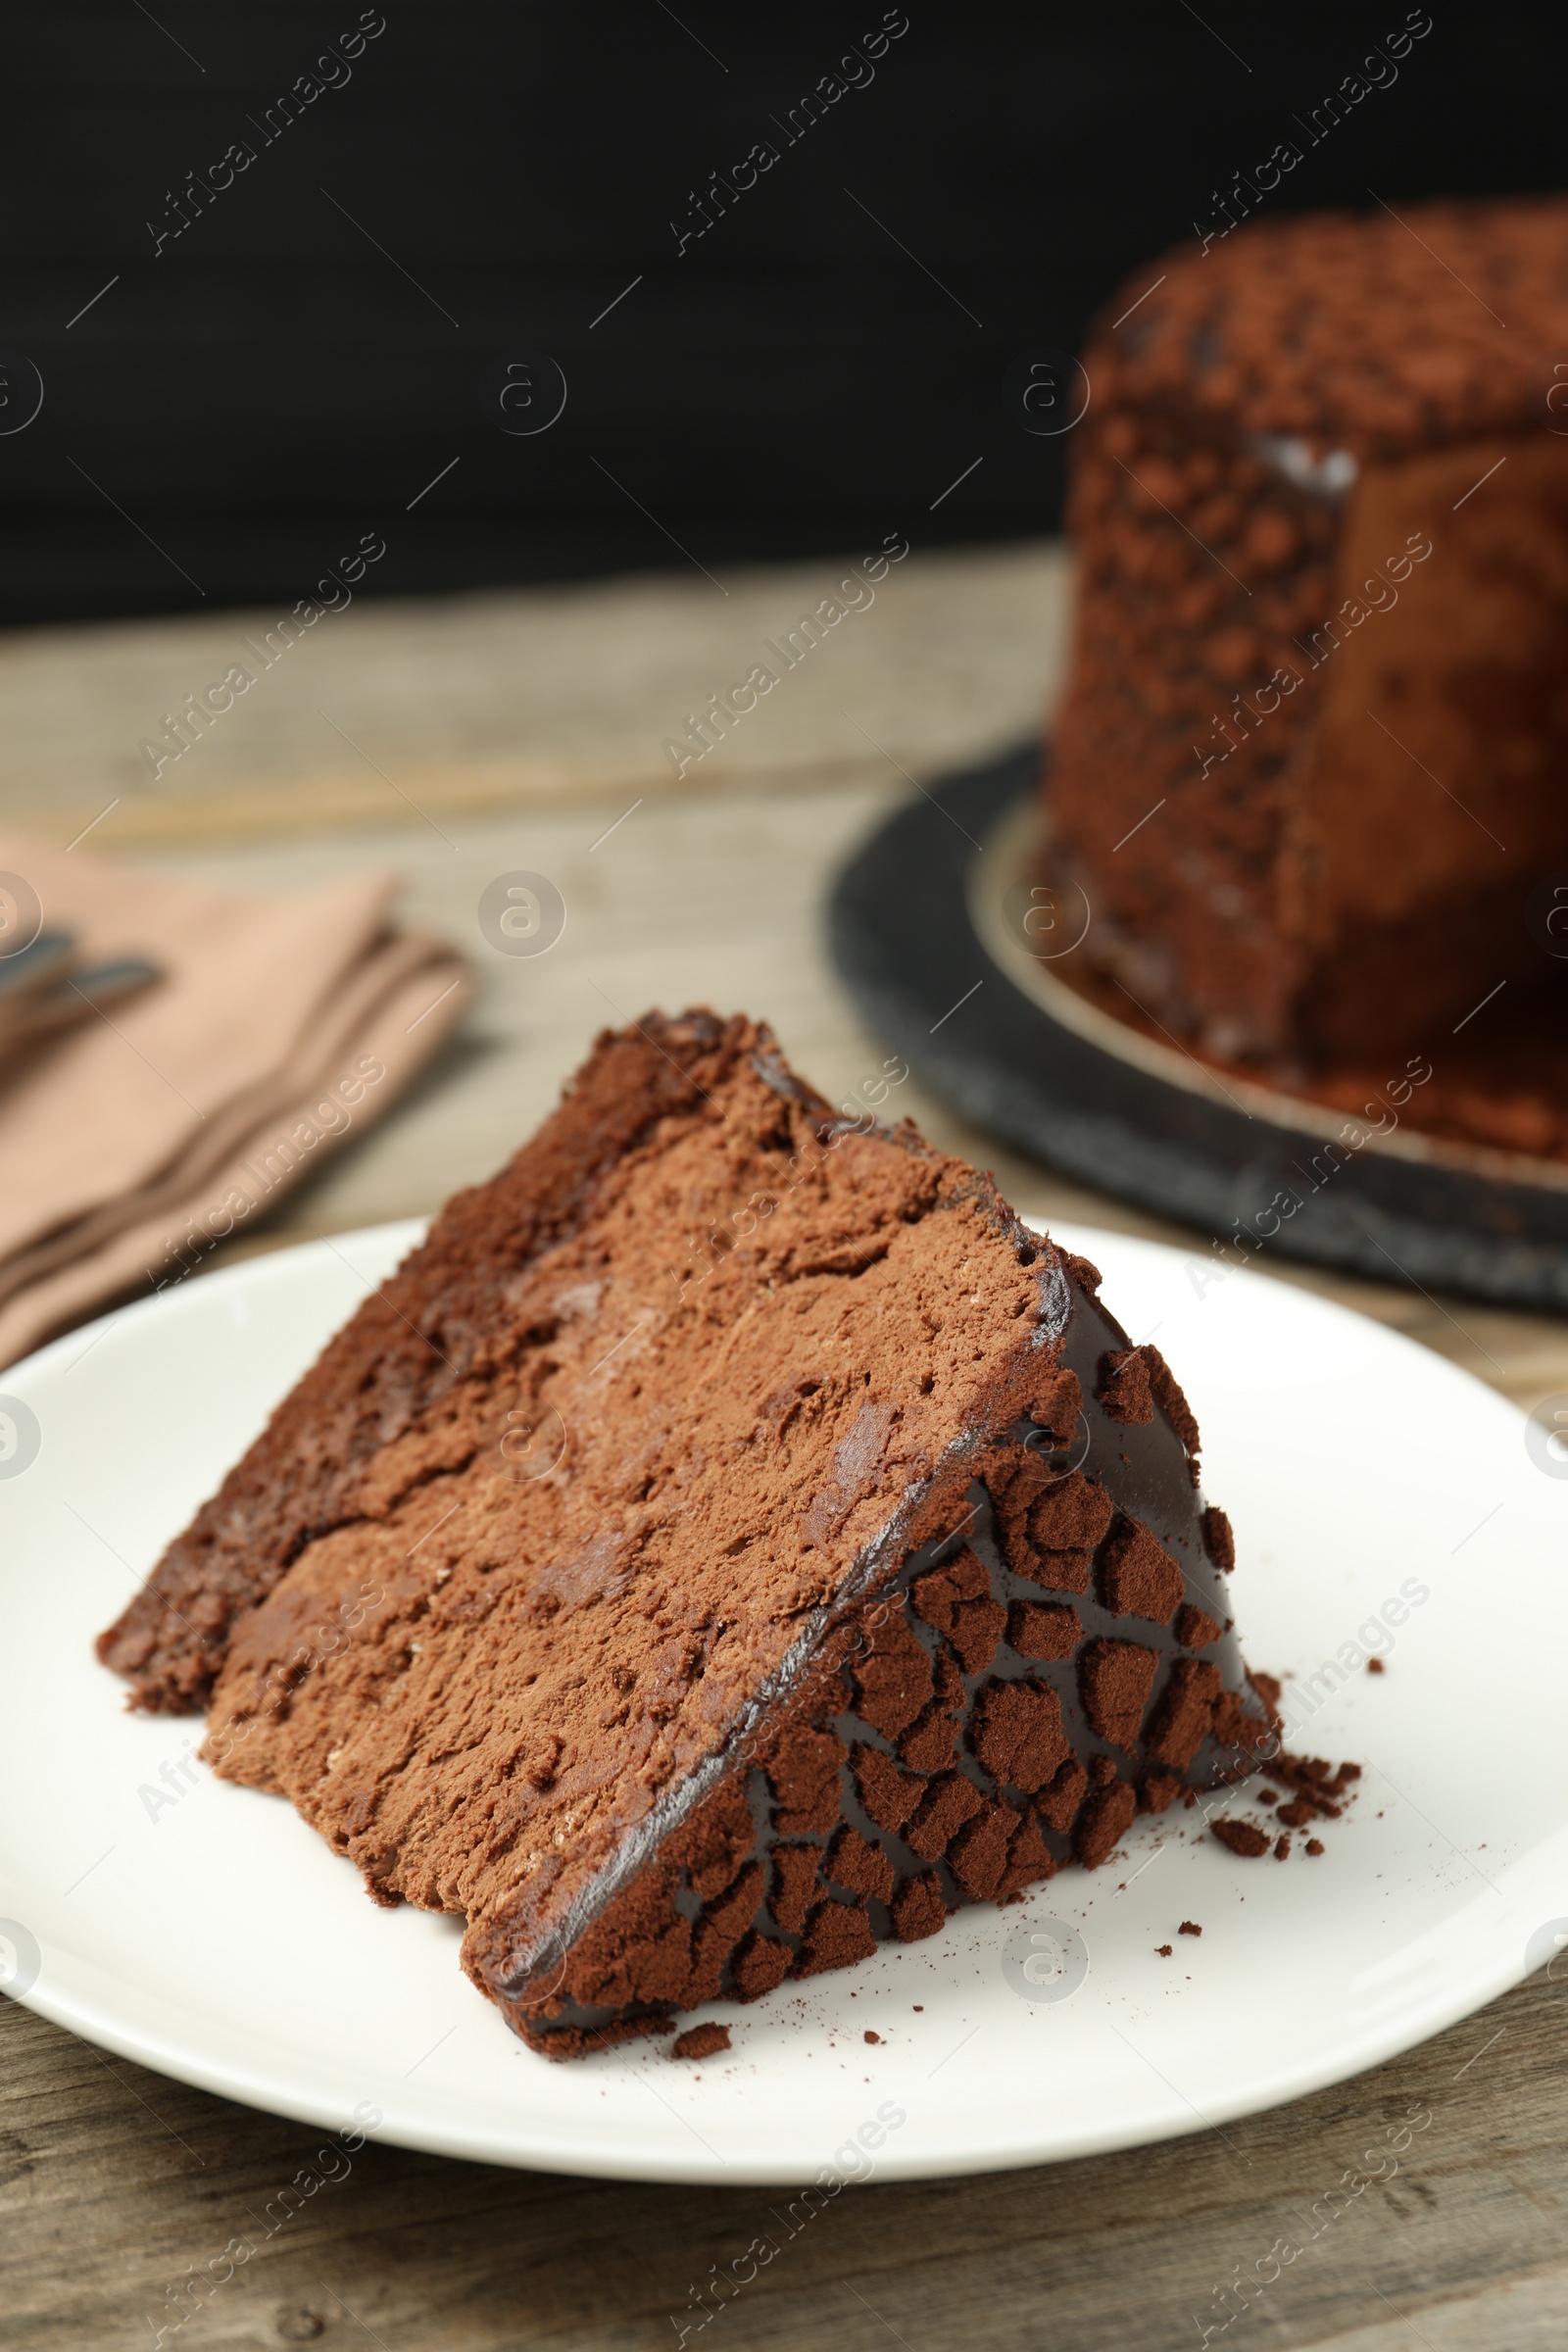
<point>732,1422</point>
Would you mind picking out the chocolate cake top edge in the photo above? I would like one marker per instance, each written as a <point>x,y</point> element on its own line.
<point>1343,330</point>
<point>409,1341</point>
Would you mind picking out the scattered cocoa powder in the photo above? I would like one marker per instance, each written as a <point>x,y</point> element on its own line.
<point>1164,1950</point>
<point>1316,1790</point>
<point>1315,1845</point>
<point>1311,1772</point>
<point>1189,1927</point>
<point>1373,1665</point>
<point>871,2036</point>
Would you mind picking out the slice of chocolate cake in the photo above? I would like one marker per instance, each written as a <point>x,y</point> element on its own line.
<point>730,1539</point>
<point>1309,762</point>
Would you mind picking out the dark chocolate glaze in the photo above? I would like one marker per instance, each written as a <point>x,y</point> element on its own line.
<point>1147,1470</point>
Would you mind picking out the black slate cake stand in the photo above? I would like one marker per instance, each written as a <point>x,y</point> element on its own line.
<point>925,929</point>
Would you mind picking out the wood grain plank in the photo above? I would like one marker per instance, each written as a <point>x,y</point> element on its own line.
<point>520,698</point>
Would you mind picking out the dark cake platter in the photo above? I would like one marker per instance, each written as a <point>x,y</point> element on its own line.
<point>926,928</point>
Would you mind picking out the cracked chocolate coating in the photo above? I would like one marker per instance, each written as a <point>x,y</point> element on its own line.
<point>826,1895</point>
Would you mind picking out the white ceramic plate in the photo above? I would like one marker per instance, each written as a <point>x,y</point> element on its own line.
<point>213,1936</point>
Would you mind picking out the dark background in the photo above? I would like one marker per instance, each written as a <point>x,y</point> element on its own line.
<point>271,386</point>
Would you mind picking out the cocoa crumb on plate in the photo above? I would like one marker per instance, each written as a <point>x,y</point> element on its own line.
<point>700,2041</point>
<point>1241,1838</point>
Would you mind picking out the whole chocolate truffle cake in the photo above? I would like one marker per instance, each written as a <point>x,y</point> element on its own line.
<point>731,1537</point>
<point>1311,755</point>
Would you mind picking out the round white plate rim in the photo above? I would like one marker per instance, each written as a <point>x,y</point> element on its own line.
<point>274,2091</point>
<point>270,2094</point>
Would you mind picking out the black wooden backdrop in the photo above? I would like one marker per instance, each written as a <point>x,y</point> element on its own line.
<point>291,369</point>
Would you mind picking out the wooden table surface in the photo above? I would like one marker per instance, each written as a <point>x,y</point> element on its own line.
<point>114,2182</point>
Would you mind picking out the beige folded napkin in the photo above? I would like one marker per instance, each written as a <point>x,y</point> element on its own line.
<point>131,1147</point>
